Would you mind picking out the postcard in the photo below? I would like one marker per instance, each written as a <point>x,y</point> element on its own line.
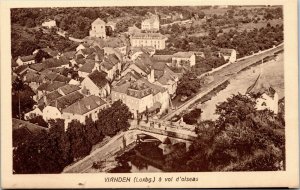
<point>119,94</point>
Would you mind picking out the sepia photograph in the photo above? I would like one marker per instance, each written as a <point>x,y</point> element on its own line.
<point>148,89</point>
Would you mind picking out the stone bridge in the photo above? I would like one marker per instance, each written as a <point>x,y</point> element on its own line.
<point>161,130</point>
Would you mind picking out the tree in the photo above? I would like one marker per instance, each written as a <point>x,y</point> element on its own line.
<point>80,146</point>
<point>114,119</point>
<point>241,139</point>
<point>39,121</point>
<point>46,152</point>
<point>30,23</point>
<point>192,117</point>
<point>188,85</point>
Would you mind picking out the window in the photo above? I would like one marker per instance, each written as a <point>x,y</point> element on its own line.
<point>264,104</point>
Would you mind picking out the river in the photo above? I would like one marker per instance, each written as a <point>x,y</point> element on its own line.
<point>144,157</point>
<point>271,72</point>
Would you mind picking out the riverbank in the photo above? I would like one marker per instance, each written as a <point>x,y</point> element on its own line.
<point>271,71</point>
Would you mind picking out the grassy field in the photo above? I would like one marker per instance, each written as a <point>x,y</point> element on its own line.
<point>271,73</point>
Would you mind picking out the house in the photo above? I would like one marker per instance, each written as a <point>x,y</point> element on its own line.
<point>151,24</point>
<point>37,111</point>
<point>68,89</point>
<point>228,54</point>
<point>49,23</point>
<point>156,40</point>
<point>88,67</point>
<point>165,77</point>
<point>141,96</point>
<point>21,70</point>
<point>135,52</point>
<point>98,29</point>
<point>82,46</point>
<point>24,130</point>
<point>86,107</point>
<point>111,66</point>
<point>181,59</point>
<point>25,60</point>
<point>48,87</point>
<point>142,66</point>
<point>266,96</point>
<point>53,110</point>
<point>96,84</point>
<point>14,64</point>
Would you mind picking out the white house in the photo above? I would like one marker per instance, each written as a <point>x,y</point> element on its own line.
<point>25,60</point>
<point>98,29</point>
<point>141,96</point>
<point>266,96</point>
<point>181,59</point>
<point>96,84</point>
<point>228,54</point>
<point>82,46</point>
<point>54,109</point>
<point>87,107</point>
<point>151,24</point>
<point>49,23</point>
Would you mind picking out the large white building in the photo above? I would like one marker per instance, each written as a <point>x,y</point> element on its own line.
<point>141,96</point>
<point>151,24</point>
<point>98,29</point>
<point>156,40</point>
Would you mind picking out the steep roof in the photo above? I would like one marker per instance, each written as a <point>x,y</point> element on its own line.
<point>69,88</point>
<point>21,69</point>
<point>27,58</point>
<point>69,54</point>
<point>98,78</point>
<point>107,65</point>
<point>98,21</point>
<point>53,96</point>
<point>88,66</point>
<point>51,86</point>
<point>85,105</point>
<point>51,52</point>
<point>167,75</point>
<point>67,100</point>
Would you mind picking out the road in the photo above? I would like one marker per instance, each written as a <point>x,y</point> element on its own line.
<point>221,76</point>
<point>103,153</point>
